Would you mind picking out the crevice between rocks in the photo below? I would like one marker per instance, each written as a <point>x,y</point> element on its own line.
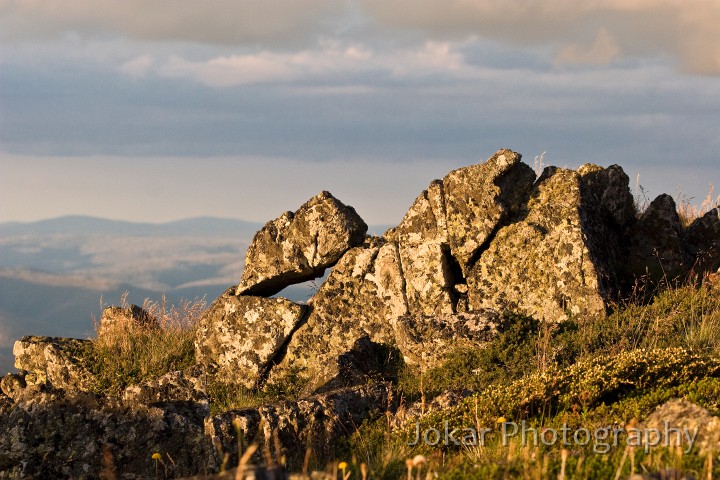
<point>282,351</point>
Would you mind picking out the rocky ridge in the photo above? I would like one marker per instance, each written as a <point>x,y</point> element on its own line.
<point>486,239</point>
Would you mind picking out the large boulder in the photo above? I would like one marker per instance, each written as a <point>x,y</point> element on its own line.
<point>557,261</point>
<point>703,240</point>
<point>364,291</point>
<point>299,246</point>
<point>450,223</point>
<point>55,361</point>
<point>242,335</point>
<point>656,243</point>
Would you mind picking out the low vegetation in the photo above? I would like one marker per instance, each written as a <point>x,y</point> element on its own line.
<point>130,352</point>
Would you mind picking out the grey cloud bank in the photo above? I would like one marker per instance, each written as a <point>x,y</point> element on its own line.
<point>366,99</point>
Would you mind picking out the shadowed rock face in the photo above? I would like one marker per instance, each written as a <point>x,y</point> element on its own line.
<point>656,242</point>
<point>299,246</point>
<point>241,335</point>
<point>703,238</point>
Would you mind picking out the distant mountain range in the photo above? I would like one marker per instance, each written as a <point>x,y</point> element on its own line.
<point>53,273</point>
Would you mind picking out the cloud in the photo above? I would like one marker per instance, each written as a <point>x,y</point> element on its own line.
<point>687,30</point>
<point>213,21</point>
<point>327,62</point>
<point>602,51</point>
<point>138,66</point>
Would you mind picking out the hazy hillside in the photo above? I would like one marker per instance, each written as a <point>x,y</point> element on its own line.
<point>54,272</point>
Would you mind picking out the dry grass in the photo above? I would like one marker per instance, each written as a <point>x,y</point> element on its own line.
<point>129,352</point>
<point>689,212</point>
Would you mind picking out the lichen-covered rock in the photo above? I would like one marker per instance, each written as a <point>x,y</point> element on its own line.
<point>450,222</point>
<point>426,341</point>
<point>686,416</point>
<point>54,360</point>
<point>181,386</point>
<point>241,335</point>
<point>424,253</point>
<point>299,246</point>
<point>480,198</point>
<point>364,290</point>
<point>703,240</point>
<point>656,243</point>
<point>12,385</point>
<point>316,422</point>
<point>58,434</point>
<point>113,318</point>
<point>548,264</point>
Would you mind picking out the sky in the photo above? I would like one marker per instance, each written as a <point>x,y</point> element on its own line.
<point>156,111</point>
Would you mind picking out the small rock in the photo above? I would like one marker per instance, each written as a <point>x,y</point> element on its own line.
<point>117,317</point>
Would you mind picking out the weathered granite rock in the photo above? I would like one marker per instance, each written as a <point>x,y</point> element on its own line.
<point>366,361</point>
<point>450,222</point>
<point>424,253</point>
<point>241,335</point>
<point>57,434</point>
<point>703,240</point>
<point>364,290</point>
<point>299,246</point>
<point>181,386</point>
<point>115,317</point>
<point>426,341</point>
<point>548,265</point>
<point>683,415</point>
<point>480,198</point>
<point>317,422</point>
<point>53,360</point>
<point>656,243</point>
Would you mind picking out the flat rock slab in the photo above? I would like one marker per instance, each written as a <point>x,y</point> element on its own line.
<point>241,335</point>
<point>299,246</point>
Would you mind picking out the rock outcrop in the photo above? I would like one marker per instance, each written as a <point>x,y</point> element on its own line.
<point>486,239</point>
<point>241,335</point>
<point>316,422</point>
<point>425,341</point>
<point>299,246</point>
